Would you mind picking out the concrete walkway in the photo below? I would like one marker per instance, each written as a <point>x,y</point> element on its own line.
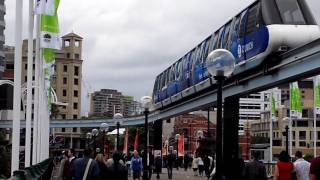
<point>177,175</point>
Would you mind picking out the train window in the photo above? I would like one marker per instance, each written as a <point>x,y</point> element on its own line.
<point>243,22</point>
<point>290,12</point>
<point>225,35</point>
<point>253,21</point>
<point>178,70</point>
<point>161,83</point>
<point>212,41</point>
<point>204,51</point>
<point>171,74</point>
<point>218,42</point>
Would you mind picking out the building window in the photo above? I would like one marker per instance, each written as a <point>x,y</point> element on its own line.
<point>75,93</point>
<point>76,56</point>
<point>64,92</point>
<point>74,129</point>
<point>33,78</point>
<point>318,135</point>
<point>67,43</point>
<point>65,81</point>
<point>63,116</point>
<point>302,135</point>
<point>25,79</point>
<point>293,135</point>
<point>65,68</point>
<point>75,116</point>
<point>76,81</point>
<point>302,144</point>
<point>77,43</point>
<point>76,70</point>
<point>75,105</point>
<point>68,55</point>
<point>63,129</point>
<point>25,66</point>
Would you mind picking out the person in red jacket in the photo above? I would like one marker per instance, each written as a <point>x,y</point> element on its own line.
<point>284,167</point>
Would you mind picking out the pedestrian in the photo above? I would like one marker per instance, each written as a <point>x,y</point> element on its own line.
<point>102,166</point>
<point>185,161</point>
<point>301,167</point>
<point>158,166</point>
<point>206,163</point>
<point>170,160</point>
<point>85,168</point>
<point>117,171</point>
<point>68,164</point>
<point>136,165</point>
<point>128,163</point>
<point>284,168</point>
<point>195,165</point>
<point>315,169</point>
<point>151,161</point>
<point>200,165</point>
<point>255,170</point>
<point>62,163</point>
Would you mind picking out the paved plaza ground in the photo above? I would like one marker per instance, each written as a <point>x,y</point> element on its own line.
<point>177,175</point>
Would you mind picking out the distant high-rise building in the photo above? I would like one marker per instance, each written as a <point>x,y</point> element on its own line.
<point>2,38</point>
<point>107,102</point>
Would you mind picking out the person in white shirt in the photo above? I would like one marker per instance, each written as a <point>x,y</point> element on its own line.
<point>301,167</point>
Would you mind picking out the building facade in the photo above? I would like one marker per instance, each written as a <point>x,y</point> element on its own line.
<point>302,129</point>
<point>189,125</point>
<point>107,102</point>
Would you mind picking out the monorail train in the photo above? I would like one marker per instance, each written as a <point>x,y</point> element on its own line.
<point>264,28</point>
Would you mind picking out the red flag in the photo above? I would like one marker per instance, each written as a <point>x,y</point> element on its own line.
<point>125,146</point>
<point>136,141</point>
<point>181,146</point>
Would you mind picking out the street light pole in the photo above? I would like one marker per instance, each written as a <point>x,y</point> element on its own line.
<point>104,128</point>
<point>146,103</point>
<point>220,64</point>
<point>118,135</point>
<point>118,119</point>
<point>287,139</point>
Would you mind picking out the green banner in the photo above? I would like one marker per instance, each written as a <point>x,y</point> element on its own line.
<point>50,29</point>
<point>295,101</point>
<point>273,105</point>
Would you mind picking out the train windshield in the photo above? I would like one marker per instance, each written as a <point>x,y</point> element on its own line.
<point>290,12</point>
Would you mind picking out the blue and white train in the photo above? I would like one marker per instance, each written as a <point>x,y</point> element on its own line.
<point>264,28</point>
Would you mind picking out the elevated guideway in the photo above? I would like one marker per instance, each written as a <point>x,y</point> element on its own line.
<point>296,64</point>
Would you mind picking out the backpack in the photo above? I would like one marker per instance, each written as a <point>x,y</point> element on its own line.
<point>136,164</point>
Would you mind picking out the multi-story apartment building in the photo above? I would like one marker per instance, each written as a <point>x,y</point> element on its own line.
<point>108,102</point>
<point>2,38</point>
<point>302,129</point>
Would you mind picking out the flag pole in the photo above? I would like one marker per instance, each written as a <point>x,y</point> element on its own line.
<point>271,134</point>
<point>29,85</point>
<point>17,88</point>
<point>290,122</point>
<point>37,90</point>
<point>315,117</point>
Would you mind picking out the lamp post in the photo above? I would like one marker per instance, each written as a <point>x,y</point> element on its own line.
<point>146,103</point>
<point>88,136</point>
<point>177,137</point>
<point>104,127</point>
<point>220,64</point>
<point>285,124</point>
<point>95,133</point>
<point>118,120</point>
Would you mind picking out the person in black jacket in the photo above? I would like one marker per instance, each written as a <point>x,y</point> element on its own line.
<point>170,160</point>
<point>117,171</point>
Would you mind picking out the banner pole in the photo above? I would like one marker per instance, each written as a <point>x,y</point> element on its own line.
<point>17,89</point>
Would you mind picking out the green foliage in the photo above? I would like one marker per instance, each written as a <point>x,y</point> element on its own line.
<point>308,157</point>
<point>4,157</point>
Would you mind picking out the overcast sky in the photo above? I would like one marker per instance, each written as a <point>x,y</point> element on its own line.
<point>128,42</point>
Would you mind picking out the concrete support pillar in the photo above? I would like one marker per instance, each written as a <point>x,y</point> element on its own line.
<point>231,138</point>
<point>157,135</point>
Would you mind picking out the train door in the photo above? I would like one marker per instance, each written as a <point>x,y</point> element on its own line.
<point>241,55</point>
<point>156,90</point>
<point>256,34</point>
<point>234,37</point>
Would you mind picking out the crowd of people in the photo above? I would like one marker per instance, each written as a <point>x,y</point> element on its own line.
<point>285,169</point>
<point>92,166</point>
